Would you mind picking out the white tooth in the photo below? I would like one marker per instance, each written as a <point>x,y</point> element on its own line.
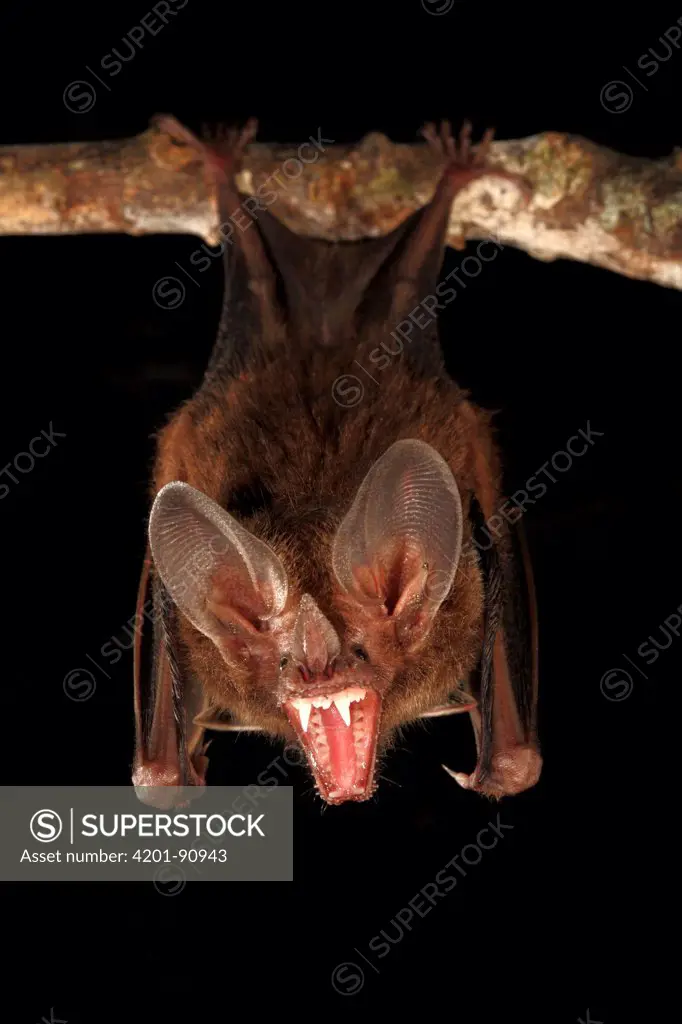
<point>304,709</point>
<point>343,701</point>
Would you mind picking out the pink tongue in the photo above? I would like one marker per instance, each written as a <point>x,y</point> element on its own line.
<point>342,761</point>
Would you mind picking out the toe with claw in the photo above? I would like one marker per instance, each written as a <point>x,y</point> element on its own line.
<point>465,162</point>
<point>221,148</point>
<point>458,152</point>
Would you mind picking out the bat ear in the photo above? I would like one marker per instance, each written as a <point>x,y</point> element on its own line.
<point>397,549</point>
<point>224,579</point>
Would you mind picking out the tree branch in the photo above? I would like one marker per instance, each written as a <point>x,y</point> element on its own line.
<point>584,202</point>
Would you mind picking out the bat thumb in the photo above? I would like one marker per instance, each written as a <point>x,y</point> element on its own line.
<point>461,777</point>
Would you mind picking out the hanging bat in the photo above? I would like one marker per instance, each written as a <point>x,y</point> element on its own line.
<point>314,568</point>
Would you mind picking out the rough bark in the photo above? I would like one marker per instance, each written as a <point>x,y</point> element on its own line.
<point>582,201</point>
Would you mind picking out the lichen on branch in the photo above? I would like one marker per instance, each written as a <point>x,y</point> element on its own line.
<point>582,201</point>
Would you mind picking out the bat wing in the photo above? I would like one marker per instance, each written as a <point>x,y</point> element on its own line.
<point>521,630</point>
<point>506,683</point>
<point>169,751</point>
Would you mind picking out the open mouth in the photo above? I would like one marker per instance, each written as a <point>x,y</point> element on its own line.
<point>338,732</point>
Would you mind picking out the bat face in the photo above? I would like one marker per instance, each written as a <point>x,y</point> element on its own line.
<point>335,712</point>
<point>342,681</point>
<point>345,713</point>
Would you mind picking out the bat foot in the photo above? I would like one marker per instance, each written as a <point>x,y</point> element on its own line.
<point>232,141</point>
<point>511,772</point>
<point>221,148</point>
<point>464,162</point>
<point>458,152</point>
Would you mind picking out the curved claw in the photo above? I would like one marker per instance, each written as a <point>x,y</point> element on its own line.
<point>211,719</point>
<point>511,772</point>
<point>462,778</point>
<point>448,709</point>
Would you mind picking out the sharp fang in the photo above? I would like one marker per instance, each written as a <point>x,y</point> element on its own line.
<point>343,702</point>
<point>304,709</point>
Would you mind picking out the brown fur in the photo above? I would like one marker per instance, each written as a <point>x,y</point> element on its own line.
<point>266,438</point>
<point>277,428</point>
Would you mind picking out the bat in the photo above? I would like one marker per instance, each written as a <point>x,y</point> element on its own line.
<point>315,564</point>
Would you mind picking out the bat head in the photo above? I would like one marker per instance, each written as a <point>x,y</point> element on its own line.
<point>330,664</point>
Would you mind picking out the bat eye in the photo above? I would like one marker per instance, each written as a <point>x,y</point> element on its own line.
<point>284,662</point>
<point>360,652</point>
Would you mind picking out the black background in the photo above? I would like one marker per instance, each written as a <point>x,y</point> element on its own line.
<point>566,913</point>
